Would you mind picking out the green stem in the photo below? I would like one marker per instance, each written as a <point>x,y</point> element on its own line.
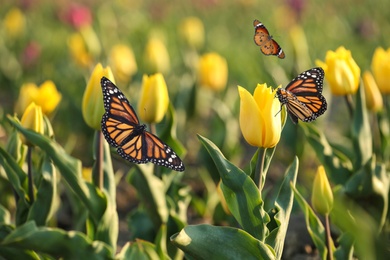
<point>99,160</point>
<point>348,99</point>
<point>157,170</point>
<point>30,174</point>
<point>259,168</point>
<point>328,238</point>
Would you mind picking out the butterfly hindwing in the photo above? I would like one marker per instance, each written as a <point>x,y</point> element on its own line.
<point>121,128</point>
<point>262,38</point>
<point>303,96</point>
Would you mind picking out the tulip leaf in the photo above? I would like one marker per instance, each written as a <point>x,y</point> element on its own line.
<point>283,206</point>
<point>151,191</point>
<point>56,242</point>
<point>42,208</point>
<point>70,169</point>
<point>240,192</point>
<point>361,131</point>
<point>140,250</point>
<point>339,170</point>
<point>214,242</point>
<point>16,176</point>
<point>313,224</point>
<point>107,227</point>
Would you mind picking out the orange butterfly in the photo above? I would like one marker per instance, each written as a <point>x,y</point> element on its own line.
<point>268,46</point>
<point>121,128</point>
<point>303,97</point>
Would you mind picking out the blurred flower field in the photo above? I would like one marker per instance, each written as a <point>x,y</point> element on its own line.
<point>194,75</point>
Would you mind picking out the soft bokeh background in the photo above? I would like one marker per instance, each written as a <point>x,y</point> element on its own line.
<point>62,41</point>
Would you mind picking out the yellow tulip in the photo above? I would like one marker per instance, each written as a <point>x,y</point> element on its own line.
<point>156,57</point>
<point>341,71</point>
<point>212,71</point>
<point>32,119</point>
<point>123,62</point>
<point>14,23</point>
<point>154,99</point>
<point>381,69</point>
<point>78,50</point>
<point>192,31</point>
<point>260,121</point>
<point>322,196</point>
<point>374,98</point>
<point>93,107</point>
<point>46,96</point>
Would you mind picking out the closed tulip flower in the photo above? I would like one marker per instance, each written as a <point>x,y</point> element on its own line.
<point>154,99</point>
<point>14,23</point>
<point>32,119</point>
<point>381,69</point>
<point>260,121</point>
<point>192,31</point>
<point>374,99</point>
<point>212,71</point>
<point>341,71</point>
<point>93,107</point>
<point>46,96</point>
<point>123,62</point>
<point>157,57</point>
<point>322,196</point>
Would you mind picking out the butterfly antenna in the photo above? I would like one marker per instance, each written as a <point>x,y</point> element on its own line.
<point>279,111</point>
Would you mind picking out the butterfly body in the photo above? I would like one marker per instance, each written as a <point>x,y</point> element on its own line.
<point>121,128</point>
<point>268,45</point>
<point>303,96</point>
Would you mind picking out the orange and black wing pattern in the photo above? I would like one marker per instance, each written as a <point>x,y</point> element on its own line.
<point>262,38</point>
<point>303,96</point>
<point>121,128</point>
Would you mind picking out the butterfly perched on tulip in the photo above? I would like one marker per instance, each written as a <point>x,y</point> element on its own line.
<point>268,46</point>
<point>303,96</point>
<point>121,128</point>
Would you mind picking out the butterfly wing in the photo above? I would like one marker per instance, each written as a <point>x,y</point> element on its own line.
<point>303,97</point>
<point>262,38</point>
<point>121,128</point>
<point>120,120</point>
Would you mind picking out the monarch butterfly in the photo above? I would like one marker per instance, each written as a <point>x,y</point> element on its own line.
<point>303,97</point>
<point>268,46</point>
<point>121,128</point>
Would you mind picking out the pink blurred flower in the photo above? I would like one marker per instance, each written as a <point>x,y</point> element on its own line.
<point>77,15</point>
<point>31,54</point>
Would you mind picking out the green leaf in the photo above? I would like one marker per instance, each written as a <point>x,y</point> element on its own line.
<point>211,242</point>
<point>70,169</point>
<point>313,224</point>
<point>16,176</point>
<point>345,248</point>
<point>5,216</point>
<point>43,206</point>
<point>240,192</point>
<point>140,250</point>
<point>151,190</point>
<point>107,227</point>
<point>339,170</point>
<point>56,242</point>
<point>283,207</point>
<point>361,131</point>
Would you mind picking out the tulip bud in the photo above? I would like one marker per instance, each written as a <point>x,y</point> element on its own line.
<point>192,31</point>
<point>123,62</point>
<point>154,99</point>
<point>374,99</point>
<point>322,196</point>
<point>14,23</point>
<point>260,121</point>
<point>212,71</point>
<point>157,57</point>
<point>32,119</point>
<point>93,107</point>
<point>381,69</point>
<point>341,71</point>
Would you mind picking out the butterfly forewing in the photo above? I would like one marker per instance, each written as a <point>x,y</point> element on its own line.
<point>303,97</point>
<point>121,128</point>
